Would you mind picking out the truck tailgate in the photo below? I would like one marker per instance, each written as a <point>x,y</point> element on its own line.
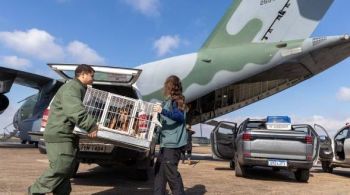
<point>118,139</point>
<point>278,145</point>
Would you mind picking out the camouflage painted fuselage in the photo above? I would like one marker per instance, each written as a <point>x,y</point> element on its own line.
<point>253,39</point>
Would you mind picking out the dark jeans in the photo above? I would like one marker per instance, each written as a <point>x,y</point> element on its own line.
<point>183,154</point>
<point>166,172</point>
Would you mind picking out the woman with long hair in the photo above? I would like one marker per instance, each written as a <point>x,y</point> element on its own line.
<point>172,138</point>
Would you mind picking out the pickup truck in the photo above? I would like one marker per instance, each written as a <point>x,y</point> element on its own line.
<point>105,153</point>
<point>262,142</point>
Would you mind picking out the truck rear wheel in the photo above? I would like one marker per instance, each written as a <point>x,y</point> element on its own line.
<point>42,150</point>
<point>142,169</point>
<point>302,175</point>
<point>142,174</point>
<point>75,170</point>
<point>232,164</point>
<point>139,174</point>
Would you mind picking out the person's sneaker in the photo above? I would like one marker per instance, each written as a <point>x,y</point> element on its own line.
<point>189,161</point>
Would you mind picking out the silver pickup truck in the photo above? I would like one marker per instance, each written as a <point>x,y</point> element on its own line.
<point>255,143</point>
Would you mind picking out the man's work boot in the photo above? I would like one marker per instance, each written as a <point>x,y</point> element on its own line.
<point>29,193</point>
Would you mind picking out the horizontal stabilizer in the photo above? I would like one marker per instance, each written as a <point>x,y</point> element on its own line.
<point>9,76</point>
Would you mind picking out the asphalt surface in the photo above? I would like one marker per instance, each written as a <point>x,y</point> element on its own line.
<point>20,165</point>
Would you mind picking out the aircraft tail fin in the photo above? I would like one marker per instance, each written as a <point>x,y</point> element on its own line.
<point>267,21</point>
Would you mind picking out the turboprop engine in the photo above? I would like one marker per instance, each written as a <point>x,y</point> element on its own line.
<point>4,103</point>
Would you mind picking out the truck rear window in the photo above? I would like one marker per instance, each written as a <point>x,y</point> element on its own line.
<point>104,76</point>
<point>256,125</point>
<point>120,90</point>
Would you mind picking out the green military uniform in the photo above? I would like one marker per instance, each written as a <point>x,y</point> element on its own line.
<point>66,112</point>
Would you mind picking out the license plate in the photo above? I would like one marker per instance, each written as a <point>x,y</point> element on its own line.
<point>277,163</point>
<point>93,148</point>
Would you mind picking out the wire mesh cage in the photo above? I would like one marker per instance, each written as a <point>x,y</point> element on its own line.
<point>122,115</point>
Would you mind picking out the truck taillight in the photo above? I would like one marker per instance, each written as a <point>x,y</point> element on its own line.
<point>247,136</point>
<point>247,154</point>
<point>308,139</point>
<point>45,117</point>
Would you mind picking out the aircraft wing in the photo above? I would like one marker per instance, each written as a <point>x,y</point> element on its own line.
<point>317,55</point>
<point>269,21</point>
<point>9,76</point>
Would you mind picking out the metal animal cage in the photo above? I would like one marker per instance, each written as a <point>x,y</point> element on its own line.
<point>121,119</point>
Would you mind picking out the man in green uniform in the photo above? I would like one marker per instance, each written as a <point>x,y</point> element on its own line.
<point>66,112</point>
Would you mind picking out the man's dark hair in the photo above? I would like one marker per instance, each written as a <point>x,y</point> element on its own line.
<point>83,68</point>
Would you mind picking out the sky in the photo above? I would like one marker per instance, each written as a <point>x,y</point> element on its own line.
<point>127,33</point>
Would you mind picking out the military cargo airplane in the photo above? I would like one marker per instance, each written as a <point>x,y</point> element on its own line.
<point>259,48</point>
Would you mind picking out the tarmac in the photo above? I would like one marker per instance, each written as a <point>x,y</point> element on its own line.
<point>20,165</point>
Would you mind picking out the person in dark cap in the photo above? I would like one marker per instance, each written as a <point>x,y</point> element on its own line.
<point>188,148</point>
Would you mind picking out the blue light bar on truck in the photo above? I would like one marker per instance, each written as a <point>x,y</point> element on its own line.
<point>278,123</point>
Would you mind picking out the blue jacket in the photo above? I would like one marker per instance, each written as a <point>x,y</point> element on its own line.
<point>173,133</point>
